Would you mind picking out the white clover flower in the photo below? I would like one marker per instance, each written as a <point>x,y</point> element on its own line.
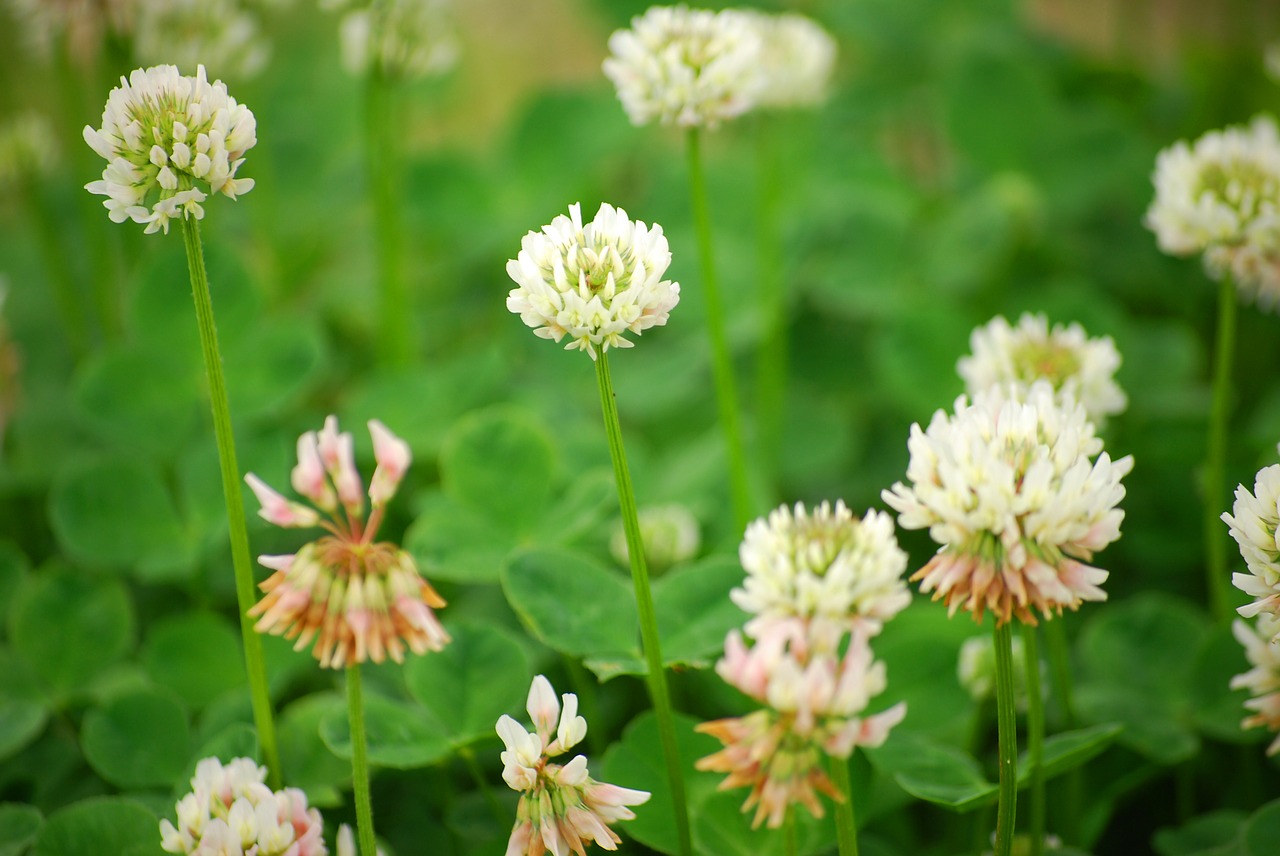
<point>1271,60</point>
<point>28,149</point>
<point>686,67</point>
<point>219,34</point>
<point>797,59</point>
<point>1009,491</point>
<point>1076,366</point>
<point>1221,197</point>
<point>976,669</point>
<point>1253,521</point>
<point>595,282</point>
<point>417,39</point>
<point>173,136</point>
<point>825,563</point>
<point>669,533</point>
<point>1263,680</point>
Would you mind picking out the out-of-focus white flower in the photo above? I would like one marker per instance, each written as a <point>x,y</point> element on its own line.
<point>1010,492</point>
<point>561,807</point>
<point>797,58</point>
<point>78,26</point>
<point>593,283</point>
<point>346,842</point>
<point>171,136</point>
<point>1221,197</point>
<point>416,38</point>
<point>686,67</point>
<point>825,563</point>
<point>219,34</point>
<point>1078,368</point>
<point>976,669</point>
<point>1271,59</point>
<point>28,149</point>
<point>1253,521</point>
<point>670,535</point>
<point>1263,680</point>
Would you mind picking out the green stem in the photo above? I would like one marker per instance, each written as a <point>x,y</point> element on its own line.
<point>368,843</point>
<point>1035,738</point>
<point>721,364</point>
<point>656,677</point>
<point>1007,724</point>
<point>846,823</point>
<point>772,368</point>
<point>255,666</point>
<point>791,840</point>
<point>1215,499</point>
<point>473,767</point>
<point>1072,787</point>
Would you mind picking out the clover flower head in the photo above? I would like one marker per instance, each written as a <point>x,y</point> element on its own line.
<point>1077,366</point>
<point>976,669</point>
<point>417,39</point>
<point>1012,492</point>
<point>825,563</point>
<point>1221,196</point>
<point>231,812</point>
<point>357,598</point>
<point>222,34</point>
<point>1263,680</point>
<point>669,533</point>
<point>1253,521</point>
<point>28,149</point>
<point>561,807</point>
<point>797,59</point>
<point>686,67</point>
<point>593,283</point>
<point>168,137</point>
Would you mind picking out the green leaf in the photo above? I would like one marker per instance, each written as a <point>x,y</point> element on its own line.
<point>311,764</point>
<point>722,828</point>
<point>19,826</point>
<point>94,627</point>
<point>98,826</point>
<point>195,654</point>
<point>480,675</point>
<point>934,772</point>
<point>117,513</point>
<point>401,735</point>
<point>234,740</point>
<point>140,400</point>
<point>138,740</point>
<point>694,610</point>
<point>1218,709</point>
<point>1259,834</point>
<point>920,648</point>
<point>14,568</point>
<point>452,542</point>
<point>272,368</point>
<point>20,722</point>
<point>1213,834</point>
<point>500,462</point>
<point>1066,751</point>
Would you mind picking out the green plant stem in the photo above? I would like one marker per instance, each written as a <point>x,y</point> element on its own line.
<point>772,367</point>
<point>790,839</point>
<point>1215,499</point>
<point>1035,739</point>
<point>1007,725</point>
<point>721,364</point>
<point>846,823</point>
<point>255,666</point>
<point>368,842</point>
<point>1067,812</point>
<point>656,677</point>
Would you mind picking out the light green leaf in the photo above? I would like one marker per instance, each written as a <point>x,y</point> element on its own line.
<point>138,740</point>
<point>140,399</point>
<point>1066,751</point>
<point>311,764</point>
<point>453,542</point>
<point>401,735</point>
<point>1259,834</point>
<point>98,826</point>
<point>694,610</point>
<point>195,654</point>
<point>19,826</point>
<point>934,772</point>
<point>1213,834</point>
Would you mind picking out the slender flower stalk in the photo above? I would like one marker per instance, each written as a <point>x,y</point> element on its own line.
<point>1035,739</point>
<point>1215,481</point>
<point>360,763</point>
<point>1007,725</point>
<point>1071,792</point>
<point>846,822</point>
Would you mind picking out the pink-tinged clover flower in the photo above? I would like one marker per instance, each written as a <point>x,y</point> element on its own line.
<point>357,598</point>
<point>562,809</point>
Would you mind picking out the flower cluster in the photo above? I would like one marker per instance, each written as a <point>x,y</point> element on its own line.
<point>170,135</point>
<point>1076,366</point>
<point>231,812</point>
<point>220,33</point>
<point>359,599</point>
<point>28,149</point>
<point>1221,196</point>
<point>976,669</point>
<point>669,534</point>
<point>1254,520</point>
<point>561,807</point>
<point>79,27</point>
<point>594,282</point>
<point>415,39</point>
<point>1263,680</point>
<point>797,59</point>
<point>1008,489</point>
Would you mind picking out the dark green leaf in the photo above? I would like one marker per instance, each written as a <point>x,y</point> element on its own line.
<point>138,740</point>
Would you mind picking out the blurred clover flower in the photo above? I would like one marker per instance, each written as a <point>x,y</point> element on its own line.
<point>686,67</point>
<point>231,812</point>
<point>797,58</point>
<point>80,26</point>
<point>10,367</point>
<point>1221,196</point>
<point>1253,523</point>
<point>414,39</point>
<point>220,34</point>
<point>1263,680</point>
<point>561,807</point>
<point>813,696</point>
<point>1077,367</point>
<point>594,282</point>
<point>1008,489</point>
<point>173,135</point>
<point>670,535</point>
<point>976,669</point>
<point>359,599</point>
<point>346,842</point>
<point>28,149</point>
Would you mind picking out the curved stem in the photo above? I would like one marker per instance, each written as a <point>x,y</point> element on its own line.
<point>1215,498</point>
<point>721,364</point>
<point>1035,739</point>
<point>846,823</point>
<point>255,665</point>
<point>1007,723</point>
<point>656,676</point>
<point>368,843</point>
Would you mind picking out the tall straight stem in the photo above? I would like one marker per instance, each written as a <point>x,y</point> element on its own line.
<point>772,366</point>
<point>722,366</point>
<point>656,677</point>
<point>1215,534</point>
<point>360,763</point>
<point>790,838</point>
<point>255,666</point>
<point>1035,738</point>
<point>846,823</point>
<point>1068,806</point>
<point>1007,725</point>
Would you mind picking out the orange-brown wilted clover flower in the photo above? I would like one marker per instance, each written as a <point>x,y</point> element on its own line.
<point>1012,491</point>
<point>357,598</point>
<point>561,809</point>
